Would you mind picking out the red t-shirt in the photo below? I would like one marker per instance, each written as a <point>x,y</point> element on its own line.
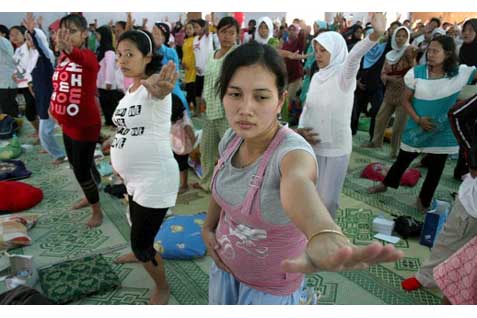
<point>73,102</point>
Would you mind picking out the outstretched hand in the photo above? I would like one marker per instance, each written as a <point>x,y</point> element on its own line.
<point>161,84</point>
<point>29,22</point>
<point>378,21</point>
<point>63,41</point>
<point>335,253</point>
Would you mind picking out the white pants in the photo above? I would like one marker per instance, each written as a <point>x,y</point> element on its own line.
<point>331,177</point>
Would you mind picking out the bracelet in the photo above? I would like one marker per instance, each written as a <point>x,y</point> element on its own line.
<point>326,232</point>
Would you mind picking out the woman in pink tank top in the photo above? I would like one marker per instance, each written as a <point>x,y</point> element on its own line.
<point>258,261</point>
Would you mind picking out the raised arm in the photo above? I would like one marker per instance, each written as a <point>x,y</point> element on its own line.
<point>351,65</point>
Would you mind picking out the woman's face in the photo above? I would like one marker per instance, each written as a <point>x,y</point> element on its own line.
<point>227,36</point>
<point>263,30</point>
<point>358,34</point>
<point>322,56</point>
<point>16,37</point>
<point>401,37</point>
<point>98,36</point>
<point>292,32</point>
<point>158,36</point>
<point>189,30</point>
<point>77,37</point>
<point>468,34</point>
<point>130,59</point>
<point>252,102</point>
<point>435,54</point>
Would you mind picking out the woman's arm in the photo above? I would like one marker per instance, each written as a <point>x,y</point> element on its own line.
<point>328,248</point>
<point>351,65</point>
<point>208,232</point>
<point>424,122</point>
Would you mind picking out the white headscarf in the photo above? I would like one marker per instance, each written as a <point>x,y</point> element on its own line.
<point>397,52</point>
<point>335,44</point>
<point>269,24</point>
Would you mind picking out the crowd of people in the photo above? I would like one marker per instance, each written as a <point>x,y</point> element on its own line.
<point>279,103</point>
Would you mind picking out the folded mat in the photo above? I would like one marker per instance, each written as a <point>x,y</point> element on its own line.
<point>74,280</point>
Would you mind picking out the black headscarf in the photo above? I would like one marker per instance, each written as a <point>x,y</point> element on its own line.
<point>468,51</point>
<point>106,41</point>
<point>165,30</point>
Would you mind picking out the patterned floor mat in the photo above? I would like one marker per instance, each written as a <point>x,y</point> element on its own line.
<point>61,234</point>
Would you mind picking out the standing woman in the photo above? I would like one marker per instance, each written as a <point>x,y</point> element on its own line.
<point>42,72</point>
<point>141,151</point>
<point>431,90</point>
<point>215,123</point>
<point>188,63</point>
<point>329,104</point>
<point>73,104</point>
<point>467,56</point>
<point>399,60</point>
<point>22,73</point>
<point>8,87</point>
<point>108,94</point>
<point>266,225</point>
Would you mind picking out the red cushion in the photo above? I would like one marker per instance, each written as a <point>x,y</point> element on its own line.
<point>374,171</point>
<point>410,177</point>
<point>18,196</point>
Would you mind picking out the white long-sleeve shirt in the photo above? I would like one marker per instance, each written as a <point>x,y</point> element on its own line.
<point>329,105</point>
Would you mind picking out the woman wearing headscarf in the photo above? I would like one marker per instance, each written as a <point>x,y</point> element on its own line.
<point>109,96</point>
<point>264,32</point>
<point>399,60</point>
<point>327,112</point>
<point>353,36</point>
<point>161,33</point>
<point>467,56</point>
<point>310,66</point>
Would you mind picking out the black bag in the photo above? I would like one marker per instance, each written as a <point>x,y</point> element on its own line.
<point>407,226</point>
<point>8,126</point>
<point>24,295</point>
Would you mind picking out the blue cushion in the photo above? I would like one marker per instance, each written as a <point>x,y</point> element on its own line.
<point>180,237</point>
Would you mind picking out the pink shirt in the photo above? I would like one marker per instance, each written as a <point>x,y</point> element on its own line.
<point>106,73</point>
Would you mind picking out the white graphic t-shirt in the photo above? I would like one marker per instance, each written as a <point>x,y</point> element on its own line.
<point>141,150</point>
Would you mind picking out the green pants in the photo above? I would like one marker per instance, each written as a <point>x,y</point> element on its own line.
<point>212,133</point>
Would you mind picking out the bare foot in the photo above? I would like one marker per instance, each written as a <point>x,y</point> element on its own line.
<point>81,204</point>
<point>95,220</point>
<point>368,145</point>
<point>126,258</point>
<point>183,189</point>
<point>377,189</point>
<point>42,151</point>
<point>59,161</point>
<point>197,185</point>
<point>159,296</point>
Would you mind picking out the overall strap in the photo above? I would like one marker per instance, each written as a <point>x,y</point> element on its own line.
<point>257,179</point>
